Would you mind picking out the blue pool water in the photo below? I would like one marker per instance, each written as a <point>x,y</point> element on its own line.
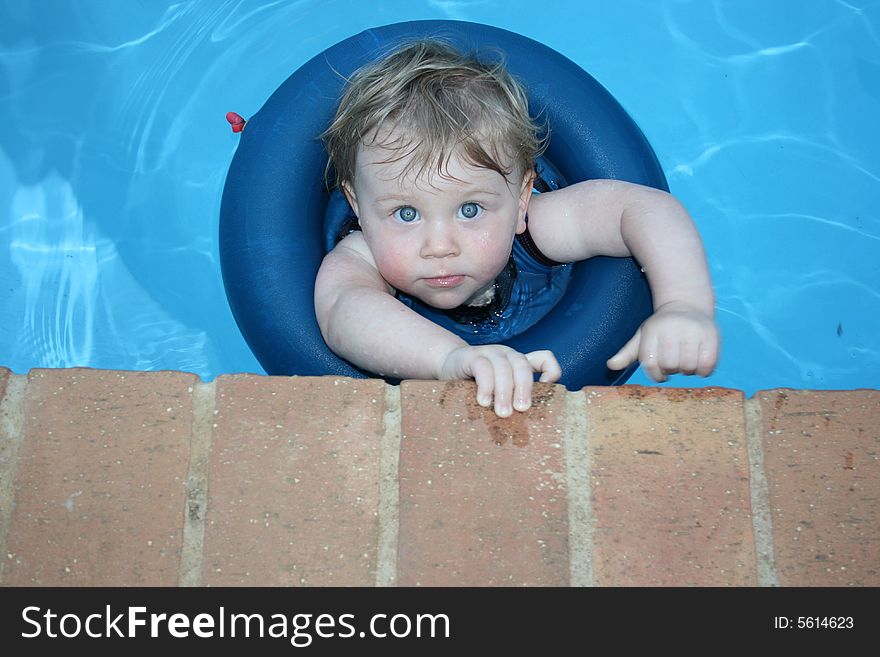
<point>114,148</point>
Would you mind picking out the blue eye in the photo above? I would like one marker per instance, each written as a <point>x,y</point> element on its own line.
<point>406,214</point>
<point>470,210</point>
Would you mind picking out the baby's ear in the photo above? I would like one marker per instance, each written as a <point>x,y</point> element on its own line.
<point>525,195</point>
<point>348,190</point>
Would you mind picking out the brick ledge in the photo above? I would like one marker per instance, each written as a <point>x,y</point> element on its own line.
<point>112,478</point>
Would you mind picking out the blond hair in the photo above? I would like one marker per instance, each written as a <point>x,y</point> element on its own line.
<point>440,102</point>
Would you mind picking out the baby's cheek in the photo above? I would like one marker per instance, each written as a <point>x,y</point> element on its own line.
<point>492,255</point>
<point>393,270</point>
<point>390,258</point>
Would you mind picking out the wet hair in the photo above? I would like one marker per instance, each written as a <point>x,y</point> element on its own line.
<point>438,102</point>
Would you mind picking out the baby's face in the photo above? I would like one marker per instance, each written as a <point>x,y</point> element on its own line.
<point>442,239</point>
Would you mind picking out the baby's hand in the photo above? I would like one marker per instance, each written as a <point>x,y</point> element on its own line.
<point>502,373</point>
<point>676,338</point>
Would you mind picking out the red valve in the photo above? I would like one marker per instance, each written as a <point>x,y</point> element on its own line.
<point>236,121</point>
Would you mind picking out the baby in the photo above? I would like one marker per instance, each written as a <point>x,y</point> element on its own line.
<point>435,152</point>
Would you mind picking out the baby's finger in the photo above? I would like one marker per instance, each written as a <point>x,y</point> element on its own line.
<point>627,355</point>
<point>503,386</point>
<point>689,357</point>
<point>484,375</point>
<point>522,381</point>
<point>545,362</point>
<point>648,357</point>
<point>708,357</point>
<point>668,356</point>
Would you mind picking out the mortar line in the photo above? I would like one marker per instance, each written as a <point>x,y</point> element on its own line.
<point>580,512</point>
<point>11,439</point>
<point>762,519</point>
<point>191,558</point>
<point>389,489</point>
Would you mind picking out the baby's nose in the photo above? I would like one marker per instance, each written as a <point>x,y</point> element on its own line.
<point>440,241</point>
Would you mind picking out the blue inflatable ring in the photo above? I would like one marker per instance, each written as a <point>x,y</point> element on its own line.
<point>272,236</point>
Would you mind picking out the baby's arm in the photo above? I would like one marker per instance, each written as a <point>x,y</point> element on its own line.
<point>615,218</point>
<point>362,322</point>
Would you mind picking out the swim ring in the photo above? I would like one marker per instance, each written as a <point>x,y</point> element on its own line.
<point>272,234</point>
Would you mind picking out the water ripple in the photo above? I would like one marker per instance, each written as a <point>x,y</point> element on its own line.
<point>72,282</point>
<point>757,52</point>
<point>711,150</point>
<point>232,25</point>
<point>145,99</point>
<point>799,216</point>
<point>455,9</point>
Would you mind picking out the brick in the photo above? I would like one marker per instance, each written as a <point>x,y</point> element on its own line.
<point>4,377</point>
<point>5,459</point>
<point>99,491</point>
<point>9,441</point>
<point>822,463</point>
<point>482,499</point>
<point>669,487</point>
<point>293,488</point>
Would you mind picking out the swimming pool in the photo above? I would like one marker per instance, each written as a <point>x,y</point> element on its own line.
<point>114,149</point>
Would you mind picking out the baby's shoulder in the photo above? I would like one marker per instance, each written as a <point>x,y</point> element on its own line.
<point>575,222</point>
<point>351,262</point>
<point>552,207</point>
<point>353,247</point>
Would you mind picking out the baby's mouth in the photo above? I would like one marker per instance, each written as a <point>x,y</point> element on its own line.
<point>445,281</point>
